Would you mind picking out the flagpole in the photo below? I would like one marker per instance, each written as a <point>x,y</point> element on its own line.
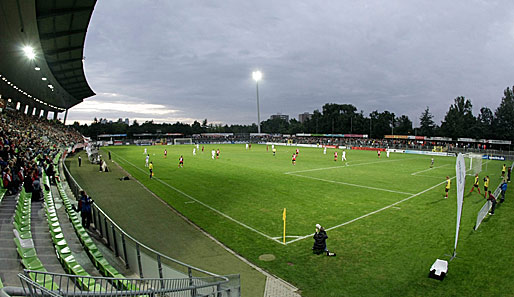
<point>284,219</point>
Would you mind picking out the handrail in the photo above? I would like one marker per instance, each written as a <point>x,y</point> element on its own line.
<point>70,178</point>
<point>141,287</point>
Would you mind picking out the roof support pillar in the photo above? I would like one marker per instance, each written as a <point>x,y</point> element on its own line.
<point>55,115</point>
<point>65,116</point>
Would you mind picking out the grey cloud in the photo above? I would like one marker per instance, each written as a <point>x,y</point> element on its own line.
<point>197,57</point>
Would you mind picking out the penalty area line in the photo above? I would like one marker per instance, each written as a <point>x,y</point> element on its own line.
<point>344,166</point>
<point>353,185</point>
<point>205,205</point>
<point>429,169</point>
<point>370,213</point>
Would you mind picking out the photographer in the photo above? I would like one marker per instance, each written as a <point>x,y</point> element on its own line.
<point>320,244</point>
<point>84,207</point>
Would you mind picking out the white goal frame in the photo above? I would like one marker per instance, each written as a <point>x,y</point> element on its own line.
<point>182,141</point>
<point>475,163</point>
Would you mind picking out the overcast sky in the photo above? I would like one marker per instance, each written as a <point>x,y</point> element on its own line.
<point>186,60</point>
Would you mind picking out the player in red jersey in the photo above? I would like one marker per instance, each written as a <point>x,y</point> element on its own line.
<point>218,154</point>
<point>335,156</point>
<point>181,162</point>
<point>378,152</point>
<point>165,153</point>
<point>294,159</point>
<point>297,151</point>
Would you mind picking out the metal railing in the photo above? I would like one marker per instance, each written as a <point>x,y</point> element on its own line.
<point>106,286</point>
<point>139,258</point>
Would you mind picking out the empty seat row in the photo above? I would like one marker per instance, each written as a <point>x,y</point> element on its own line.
<point>96,256</point>
<point>62,249</point>
<point>25,244</point>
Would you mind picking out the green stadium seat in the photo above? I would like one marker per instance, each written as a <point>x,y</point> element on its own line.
<point>32,263</point>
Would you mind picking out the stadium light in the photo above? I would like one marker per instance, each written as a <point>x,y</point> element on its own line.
<point>257,76</point>
<point>29,52</point>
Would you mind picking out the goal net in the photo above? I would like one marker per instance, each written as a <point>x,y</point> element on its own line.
<point>475,163</point>
<point>182,141</point>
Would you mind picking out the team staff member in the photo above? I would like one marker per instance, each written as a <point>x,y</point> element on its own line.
<point>475,185</point>
<point>447,187</point>
<point>486,185</point>
<point>504,168</point>
<point>493,201</point>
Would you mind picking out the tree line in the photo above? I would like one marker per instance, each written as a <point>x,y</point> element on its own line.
<point>334,118</point>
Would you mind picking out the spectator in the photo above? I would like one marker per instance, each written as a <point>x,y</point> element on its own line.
<point>503,188</point>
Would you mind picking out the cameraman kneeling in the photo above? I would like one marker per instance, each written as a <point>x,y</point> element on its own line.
<point>320,244</point>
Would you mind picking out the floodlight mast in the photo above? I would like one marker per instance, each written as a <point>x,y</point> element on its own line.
<point>257,76</point>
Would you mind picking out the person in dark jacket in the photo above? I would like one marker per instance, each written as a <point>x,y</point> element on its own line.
<point>84,207</point>
<point>320,241</point>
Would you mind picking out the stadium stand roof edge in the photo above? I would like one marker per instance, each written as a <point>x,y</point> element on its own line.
<point>56,30</point>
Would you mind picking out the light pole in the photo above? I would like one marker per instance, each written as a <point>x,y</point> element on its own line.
<point>257,75</point>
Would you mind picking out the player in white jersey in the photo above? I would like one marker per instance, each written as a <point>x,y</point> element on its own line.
<point>387,153</point>
<point>197,146</point>
<point>213,152</point>
<point>324,150</point>
<point>194,151</point>
<point>343,156</point>
<point>247,146</point>
<point>145,152</point>
<point>272,146</point>
<point>147,159</point>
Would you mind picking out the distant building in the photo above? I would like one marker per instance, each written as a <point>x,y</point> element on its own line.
<point>304,116</point>
<point>279,116</point>
<point>103,121</point>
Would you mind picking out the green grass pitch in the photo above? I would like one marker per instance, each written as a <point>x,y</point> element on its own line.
<point>387,218</point>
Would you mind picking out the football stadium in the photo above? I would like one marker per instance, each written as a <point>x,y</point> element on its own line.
<point>336,203</point>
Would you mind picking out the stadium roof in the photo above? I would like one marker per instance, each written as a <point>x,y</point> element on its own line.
<point>56,30</point>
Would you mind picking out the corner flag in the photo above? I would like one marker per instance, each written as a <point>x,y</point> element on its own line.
<point>284,219</point>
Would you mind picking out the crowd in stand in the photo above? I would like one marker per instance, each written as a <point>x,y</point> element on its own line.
<point>27,147</point>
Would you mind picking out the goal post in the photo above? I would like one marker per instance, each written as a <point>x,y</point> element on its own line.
<point>182,141</point>
<point>475,163</point>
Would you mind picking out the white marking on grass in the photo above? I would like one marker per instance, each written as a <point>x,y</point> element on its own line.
<point>334,167</point>
<point>204,204</point>
<point>188,202</point>
<point>429,169</point>
<point>290,236</point>
<point>353,185</point>
<point>372,213</point>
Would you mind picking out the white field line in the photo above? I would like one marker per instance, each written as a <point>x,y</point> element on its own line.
<point>207,206</point>
<point>429,169</point>
<point>290,236</point>
<point>371,213</point>
<point>334,167</point>
<point>353,185</point>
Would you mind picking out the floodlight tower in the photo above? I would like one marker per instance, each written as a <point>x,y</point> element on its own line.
<point>257,76</point>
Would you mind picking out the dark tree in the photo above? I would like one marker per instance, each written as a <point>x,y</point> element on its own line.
<point>504,116</point>
<point>459,120</point>
<point>426,124</point>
